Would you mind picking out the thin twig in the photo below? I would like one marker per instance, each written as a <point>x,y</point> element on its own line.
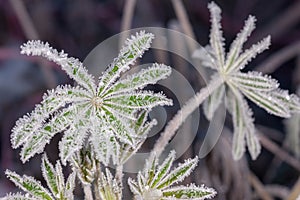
<point>259,187</point>
<point>31,33</point>
<point>188,30</point>
<point>127,19</point>
<point>280,25</point>
<point>278,58</point>
<point>280,153</point>
<point>181,116</point>
<point>295,191</point>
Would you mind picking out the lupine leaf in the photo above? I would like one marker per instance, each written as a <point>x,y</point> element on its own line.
<point>237,44</point>
<point>19,196</point>
<point>49,175</point>
<point>72,141</point>
<point>292,126</point>
<point>238,142</point>
<point>134,48</point>
<point>37,142</point>
<point>189,192</point>
<point>163,169</point>
<point>216,38</point>
<point>179,173</point>
<point>268,102</point>
<point>28,184</point>
<point>213,101</point>
<point>139,80</point>
<point>251,53</point>
<point>290,100</point>
<point>253,144</point>
<point>139,100</point>
<point>119,127</point>
<point>73,67</point>
<point>254,81</point>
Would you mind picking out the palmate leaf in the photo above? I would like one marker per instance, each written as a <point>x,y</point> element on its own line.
<point>163,169</point>
<point>73,67</point>
<point>139,80</point>
<point>243,126</point>
<point>134,48</point>
<point>139,100</point>
<point>50,175</point>
<point>38,140</point>
<point>269,102</point>
<point>52,101</point>
<point>237,44</point>
<point>19,196</point>
<point>216,38</point>
<point>30,185</point>
<point>189,192</point>
<point>254,81</point>
<point>251,53</point>
<point>155,182</point>
<point>179,173</point>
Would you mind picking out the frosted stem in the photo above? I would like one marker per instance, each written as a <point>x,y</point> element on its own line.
<point>88,195</point>
<point>181,116</point>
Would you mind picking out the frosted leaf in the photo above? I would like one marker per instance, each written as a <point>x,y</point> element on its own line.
<point>139,80</point>
<point>189,192</point>
<point>268,102</point>
<point>134,48</point>
<point>19,196</point>
<point>251,53</point>
<point>290,100</point>
<point>50,176</point>
<point>155,181</point>
<point>139,100</point>
<point>108,187</point>
<point>243,126</point>
<point>73,67</point>
<point>216,38</point>
<point>30,185</point>
<point>254,81</point>
<point>237,44</point>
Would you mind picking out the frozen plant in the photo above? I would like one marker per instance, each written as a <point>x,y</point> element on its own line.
<point>102,123</point>
<point>233,84</point>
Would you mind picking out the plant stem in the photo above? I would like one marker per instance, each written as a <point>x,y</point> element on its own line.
<point>181,116</point>
<point>88,195</point>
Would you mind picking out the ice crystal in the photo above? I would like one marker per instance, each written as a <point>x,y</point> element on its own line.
<point>106,113</point>
<point>261,89</point>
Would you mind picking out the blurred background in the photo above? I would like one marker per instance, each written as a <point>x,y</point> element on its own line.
<point>77,26</point>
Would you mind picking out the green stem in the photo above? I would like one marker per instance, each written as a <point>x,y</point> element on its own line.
<point>181,116</point>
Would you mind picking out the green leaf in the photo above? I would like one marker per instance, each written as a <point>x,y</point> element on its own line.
<point>251,53</point>
<point>139,80</point>
<point>163,169</point>
<point>237,44</point>
<point>179,173</point>
<point>37,142</point>
<point>253,81</point>
<point>269,102</point>
<point>189,192</point>
<point>50,175</point>
<point>139,100</point>
<point>28,184</point>
<point>216,38</point>
<point>52,101</point>
<point>134,48</point>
